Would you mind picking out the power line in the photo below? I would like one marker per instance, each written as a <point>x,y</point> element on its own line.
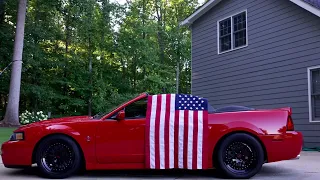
<point>7,67</point>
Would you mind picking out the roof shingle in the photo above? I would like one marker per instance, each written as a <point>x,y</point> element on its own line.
<point>315,3</point>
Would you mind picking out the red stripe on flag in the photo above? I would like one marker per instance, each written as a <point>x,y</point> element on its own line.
<point>185,139</point>
<point>176,139</point>
<point>195,140</point>
<point>157,135</point>
<point>205,141</point>
<point>147,138</point>
<point>166,130</point>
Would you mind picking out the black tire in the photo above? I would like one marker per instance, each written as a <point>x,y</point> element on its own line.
<point>58,157</point>
<point>239,156</point>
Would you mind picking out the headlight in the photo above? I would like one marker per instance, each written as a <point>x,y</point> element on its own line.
<point>18,136</point>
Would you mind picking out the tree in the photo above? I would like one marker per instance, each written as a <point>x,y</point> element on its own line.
<point>12,110</point>
<point>1,11</point>
<point>83,57</point>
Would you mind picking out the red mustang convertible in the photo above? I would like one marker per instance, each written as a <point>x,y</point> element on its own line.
<point>165,131</point>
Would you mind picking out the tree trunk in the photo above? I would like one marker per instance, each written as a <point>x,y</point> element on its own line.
<point>160,33</point>
<point>177,78</point>
<point>90,79</point>
<point>2,12</point>
<point>12,111</point>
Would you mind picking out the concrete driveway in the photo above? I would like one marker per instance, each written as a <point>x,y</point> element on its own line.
<point>307,167</point>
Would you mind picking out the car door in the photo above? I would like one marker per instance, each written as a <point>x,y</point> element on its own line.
<point>122,141</point>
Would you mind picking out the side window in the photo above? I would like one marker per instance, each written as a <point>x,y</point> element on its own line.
<point>137,109</point>
<point>232,32</point>
<point>314,93</point>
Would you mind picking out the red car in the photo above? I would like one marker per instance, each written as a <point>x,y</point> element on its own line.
<point>240,140</point>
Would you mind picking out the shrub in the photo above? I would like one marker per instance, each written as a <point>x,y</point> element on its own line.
<point>31,117</point>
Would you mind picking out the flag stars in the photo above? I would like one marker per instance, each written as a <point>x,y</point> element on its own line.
<point>189,102</point>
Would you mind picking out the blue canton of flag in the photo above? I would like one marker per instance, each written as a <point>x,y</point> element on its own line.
<point>190,102</point>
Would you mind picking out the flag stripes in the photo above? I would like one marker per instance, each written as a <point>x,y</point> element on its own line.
<point>175,137</point>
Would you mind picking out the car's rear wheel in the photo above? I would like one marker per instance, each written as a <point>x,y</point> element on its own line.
<point>239,156</point>
<point>58,157</point>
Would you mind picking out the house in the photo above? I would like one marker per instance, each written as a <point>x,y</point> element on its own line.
<point>260,54</point>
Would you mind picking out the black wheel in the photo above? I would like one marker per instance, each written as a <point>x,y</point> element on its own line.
<point>240,156</point>
<point>58,157</point>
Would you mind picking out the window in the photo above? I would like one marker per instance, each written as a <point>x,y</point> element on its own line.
<point>137,109</point>
<point>314,93</point>
<point>232,32</point>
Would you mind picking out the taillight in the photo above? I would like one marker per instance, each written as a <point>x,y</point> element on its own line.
<point>290,125</point>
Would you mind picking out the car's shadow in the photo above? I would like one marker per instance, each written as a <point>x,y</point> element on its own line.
<point>266,171</point>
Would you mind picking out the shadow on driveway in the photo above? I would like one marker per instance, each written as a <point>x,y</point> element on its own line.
<point>266,171</point>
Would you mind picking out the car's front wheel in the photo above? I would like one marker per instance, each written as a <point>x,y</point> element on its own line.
<point>58,157</point>
<point>239,156</point>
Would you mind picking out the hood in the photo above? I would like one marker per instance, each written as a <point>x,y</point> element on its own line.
<point>59,120</point>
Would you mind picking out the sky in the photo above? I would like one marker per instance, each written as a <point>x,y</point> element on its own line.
<point>123,1</point>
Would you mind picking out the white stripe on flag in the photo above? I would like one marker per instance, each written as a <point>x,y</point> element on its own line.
<point>152,131</point>
<point>190,138</point>
<point>171,131</point>
<point>200,138</point>
<point>161,131</point>
<point>181,134</point>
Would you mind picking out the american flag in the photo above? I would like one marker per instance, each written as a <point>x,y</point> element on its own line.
<point>176,132</point>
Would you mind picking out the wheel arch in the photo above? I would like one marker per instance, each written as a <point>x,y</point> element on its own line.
<point>215,150</point>
<point>55,134</point>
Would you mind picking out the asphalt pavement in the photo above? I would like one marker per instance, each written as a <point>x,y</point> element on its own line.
<point>307,167</point>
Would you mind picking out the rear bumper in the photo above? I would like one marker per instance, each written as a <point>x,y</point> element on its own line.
<point>296,158</point>
<point>286,146</point>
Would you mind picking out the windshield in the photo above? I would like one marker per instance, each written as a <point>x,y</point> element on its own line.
<point>101,114</point>
<point>109,109</point>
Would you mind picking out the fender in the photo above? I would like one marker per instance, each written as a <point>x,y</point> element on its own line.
<point>220,131</point>
<point>86,144</point>
<point>243,126</point>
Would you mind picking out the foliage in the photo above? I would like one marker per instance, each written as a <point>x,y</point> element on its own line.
<point>31,117</point>
<point>95,54</point>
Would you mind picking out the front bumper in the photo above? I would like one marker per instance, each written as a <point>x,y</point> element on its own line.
<point>296,158</point>
<point>16,153</point>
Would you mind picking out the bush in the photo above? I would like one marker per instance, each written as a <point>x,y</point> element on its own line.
<point>31,117</point>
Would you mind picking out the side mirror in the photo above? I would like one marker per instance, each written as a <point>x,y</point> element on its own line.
<point>121,115</point>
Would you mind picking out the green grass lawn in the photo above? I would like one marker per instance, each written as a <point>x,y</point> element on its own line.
<point>5,134</point>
